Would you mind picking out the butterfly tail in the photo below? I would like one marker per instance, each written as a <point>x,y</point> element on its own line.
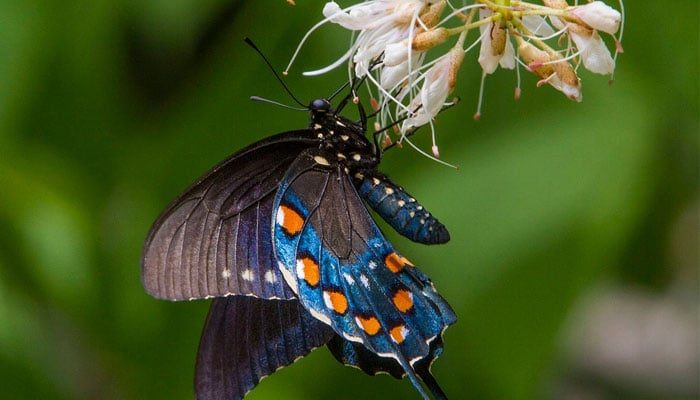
<point>413,378</point>
<point>432,384</point>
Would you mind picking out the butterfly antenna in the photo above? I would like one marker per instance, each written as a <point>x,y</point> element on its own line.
<point>250,43</point>
<point>277,103</point>
<point>337,91</point>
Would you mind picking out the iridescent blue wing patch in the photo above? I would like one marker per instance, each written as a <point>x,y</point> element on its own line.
<point>215,239</point>
<point>399,209</point>
<point>345,273</point>
<point>246,339</point>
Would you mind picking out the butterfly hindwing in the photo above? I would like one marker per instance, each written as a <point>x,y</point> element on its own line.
<point>344,272</point>
<point>214,240</point>
<point>246,339</point>
<point>399,209</point>
<point>356,355</point>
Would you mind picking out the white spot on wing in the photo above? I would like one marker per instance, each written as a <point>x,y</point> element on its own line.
<point>327,300</point>
<point>288,277</point>
<point>280,216</point>
<point>356,157</point>
<point>359,323</point>
<point>389,190</point>
<point>372,265</point>
<point>300,269</point>
<point>321,160</point>
<point>349,279</point>
<point>404,333</point>
<point>226,273</point>
<point>270,277</point>
<point>319,316</point>
<point>401,203</point>
<point>364,280</point>
<point>352,338</point>
<point>247,275</point>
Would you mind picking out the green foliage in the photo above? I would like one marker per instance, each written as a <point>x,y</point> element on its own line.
<point>108,109</point>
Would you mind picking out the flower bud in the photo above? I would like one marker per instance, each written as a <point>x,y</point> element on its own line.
<point>427,40</point>
<point>431,15</point>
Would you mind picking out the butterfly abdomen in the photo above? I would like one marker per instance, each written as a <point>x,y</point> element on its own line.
<point>399,209</point>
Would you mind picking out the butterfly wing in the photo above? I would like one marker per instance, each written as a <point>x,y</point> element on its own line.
<point>246,339</point>
<point>344,271</point>
<point>356,355</point>
<point>399,209</point>
<point>214,240</point>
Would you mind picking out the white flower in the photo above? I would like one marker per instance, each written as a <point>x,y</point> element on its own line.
<point>392,76</point>
<point>382,23</point>
<point>593,51</point>
<point>396,53</point>
<point>438,82</point>
<point>496,47</point>
<point>552,70</point>
<point>599,16</point>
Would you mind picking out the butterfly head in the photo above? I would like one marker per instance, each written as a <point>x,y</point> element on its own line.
<point>320,106</point>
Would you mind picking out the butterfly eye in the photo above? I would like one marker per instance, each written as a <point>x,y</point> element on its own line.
<point>320,105</point>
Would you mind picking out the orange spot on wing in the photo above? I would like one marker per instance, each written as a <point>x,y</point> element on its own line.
<point>370,325</point>
<point>398,334</point>
<point>403,300</point>
<point>292,222</point>
<point>338,302</point>
<point>312,274</point>
<point>395,263</point>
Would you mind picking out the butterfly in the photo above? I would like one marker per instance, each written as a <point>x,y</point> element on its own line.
<point>279,234</point>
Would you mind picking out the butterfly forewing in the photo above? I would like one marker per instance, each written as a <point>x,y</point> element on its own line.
<point>215,239</point>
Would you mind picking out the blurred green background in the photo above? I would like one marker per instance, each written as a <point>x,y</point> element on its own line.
<point>574,255</point>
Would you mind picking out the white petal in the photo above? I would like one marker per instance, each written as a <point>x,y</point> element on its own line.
<point>557,23</point>
<point>392,76</point>
<point>354,21</point>
<point>537,25</point>
<point>508,58</point>
<point>595,55</point>
<point>433,94</point>
<point>572,92</point>
<point>599,15</point>
<point>487,60</point>
<point>396,53</point>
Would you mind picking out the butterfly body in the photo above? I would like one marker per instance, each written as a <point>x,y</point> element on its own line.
<point>284,221</point>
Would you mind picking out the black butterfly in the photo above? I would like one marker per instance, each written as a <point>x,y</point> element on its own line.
<point>278,234</point>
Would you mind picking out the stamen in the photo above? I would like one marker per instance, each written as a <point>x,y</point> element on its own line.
<point>477,115</point>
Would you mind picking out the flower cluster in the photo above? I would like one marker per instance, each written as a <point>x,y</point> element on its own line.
<point>402,49</point>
